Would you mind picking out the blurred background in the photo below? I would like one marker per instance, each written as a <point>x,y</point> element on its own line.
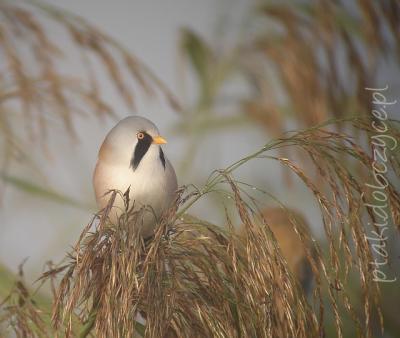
<point>218,78</point>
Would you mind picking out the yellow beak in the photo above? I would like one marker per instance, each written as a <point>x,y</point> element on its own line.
<point>159,140</point>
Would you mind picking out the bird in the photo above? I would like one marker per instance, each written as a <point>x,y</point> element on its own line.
<point>131,160</point>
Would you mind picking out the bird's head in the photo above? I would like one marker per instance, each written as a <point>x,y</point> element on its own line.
<point>133,141</point>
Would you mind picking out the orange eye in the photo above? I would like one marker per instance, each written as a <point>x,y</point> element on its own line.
<point>140,136</point>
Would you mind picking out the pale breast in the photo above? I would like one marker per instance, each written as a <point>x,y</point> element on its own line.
<point>155,187</point>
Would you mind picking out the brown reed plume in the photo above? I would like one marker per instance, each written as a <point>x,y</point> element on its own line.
<point>20,310</point>
<point>196,279</point>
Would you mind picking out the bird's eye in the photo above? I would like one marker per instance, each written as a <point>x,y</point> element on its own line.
<point>140,136</point>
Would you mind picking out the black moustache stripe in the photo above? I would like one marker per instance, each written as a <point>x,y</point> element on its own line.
<point>162,158</point>
<point>141,149</point>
